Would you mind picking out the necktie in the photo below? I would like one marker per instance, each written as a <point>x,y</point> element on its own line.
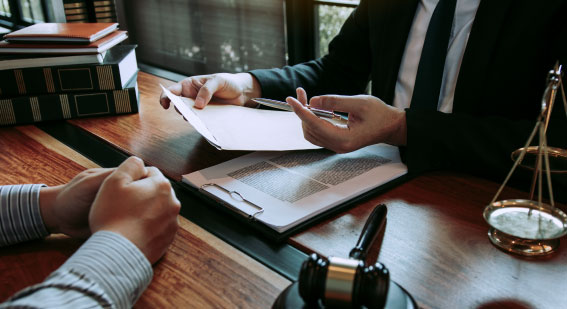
<point>432,62</point>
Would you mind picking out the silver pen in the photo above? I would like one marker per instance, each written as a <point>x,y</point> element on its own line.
<point>286,107</point>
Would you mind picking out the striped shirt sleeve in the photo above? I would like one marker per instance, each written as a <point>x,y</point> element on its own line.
<point>20,217</point>
<point>107,271</point>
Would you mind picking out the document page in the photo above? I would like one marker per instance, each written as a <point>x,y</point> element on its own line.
<point>283,189</point>
<point>229,127</point>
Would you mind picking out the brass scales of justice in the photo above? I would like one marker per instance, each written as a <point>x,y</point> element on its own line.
<point>532,227</point>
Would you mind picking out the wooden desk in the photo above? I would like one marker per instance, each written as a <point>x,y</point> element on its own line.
<point>199,270</point>
<point>435,243</point>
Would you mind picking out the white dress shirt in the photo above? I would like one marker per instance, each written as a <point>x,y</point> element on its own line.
<point>462,23</point>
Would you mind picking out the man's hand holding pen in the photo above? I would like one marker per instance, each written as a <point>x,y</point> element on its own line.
<point>370,121</point>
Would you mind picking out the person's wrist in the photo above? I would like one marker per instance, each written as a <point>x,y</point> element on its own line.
<point>251,88</point>
<point>398,130</point>
<point>47,204</point>
<point>131,232</point>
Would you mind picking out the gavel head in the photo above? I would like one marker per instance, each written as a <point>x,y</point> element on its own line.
<point>339,282</point>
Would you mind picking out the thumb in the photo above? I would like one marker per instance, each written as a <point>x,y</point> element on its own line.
<point>130,170</point>
<point>348,104</point>
<point>206,92</point>
<point>175,89</point>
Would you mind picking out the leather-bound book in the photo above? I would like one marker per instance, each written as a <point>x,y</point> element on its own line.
<point>68,105</point>
<point>96,47</point>
<point>113,73</point>
<point>67,33</point>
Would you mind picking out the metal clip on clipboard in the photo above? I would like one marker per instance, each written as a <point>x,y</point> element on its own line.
<point>234,195</point>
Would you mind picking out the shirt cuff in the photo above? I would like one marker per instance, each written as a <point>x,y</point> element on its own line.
<point>20,215</point>
<point>115,264</point>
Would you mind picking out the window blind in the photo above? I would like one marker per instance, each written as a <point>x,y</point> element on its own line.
<point>207,36</point>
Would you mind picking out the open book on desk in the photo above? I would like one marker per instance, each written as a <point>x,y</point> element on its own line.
<point>284,189</point>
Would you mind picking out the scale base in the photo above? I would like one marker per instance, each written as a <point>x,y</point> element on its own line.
<point>522,246</point>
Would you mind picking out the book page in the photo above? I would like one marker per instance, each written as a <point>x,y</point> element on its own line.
<point>294,186</point>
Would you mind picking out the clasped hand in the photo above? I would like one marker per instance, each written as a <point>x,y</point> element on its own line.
<point>132,200</point>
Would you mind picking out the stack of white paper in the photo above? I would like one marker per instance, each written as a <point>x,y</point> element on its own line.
<point>229,127</point>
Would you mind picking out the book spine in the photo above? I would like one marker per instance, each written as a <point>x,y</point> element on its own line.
<point>100,11</point>
<point>105,11</point>
<point>76,11</point>
<point>33,109</point>
<point>45,80</point>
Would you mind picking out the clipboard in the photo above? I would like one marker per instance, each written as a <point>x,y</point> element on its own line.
<point>236,196</point>
<point>272,235</point>
<point>283,192</point>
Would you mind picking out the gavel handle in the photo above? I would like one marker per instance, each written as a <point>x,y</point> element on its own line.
<point>374,224</point>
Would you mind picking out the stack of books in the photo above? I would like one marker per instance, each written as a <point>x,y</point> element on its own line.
<point>55,71</point>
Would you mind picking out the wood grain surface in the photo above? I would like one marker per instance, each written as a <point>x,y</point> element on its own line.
<point>201,271</point>
<point>160,137</point>
<point>435,243</point>
<point>436,246</point>
<point>198,270</point>
<point>27,156</point>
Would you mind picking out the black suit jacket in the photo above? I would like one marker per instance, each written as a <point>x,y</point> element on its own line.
<point>511,48</point>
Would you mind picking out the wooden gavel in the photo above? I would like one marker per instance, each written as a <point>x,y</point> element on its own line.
<point>341,282</point>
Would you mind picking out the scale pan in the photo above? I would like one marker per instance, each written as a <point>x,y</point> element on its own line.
<point>513,217</point>
<point>513,228</point>
<point>557,158</point>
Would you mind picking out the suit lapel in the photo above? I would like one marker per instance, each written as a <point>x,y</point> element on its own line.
<point>483,38</point>
<point>393,23</point>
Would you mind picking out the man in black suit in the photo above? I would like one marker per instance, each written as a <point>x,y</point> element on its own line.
<point>498,56</point>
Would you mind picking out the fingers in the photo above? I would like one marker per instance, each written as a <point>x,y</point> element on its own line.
<point>164,100</point>
<point>155,180</point>
<point>97,170</point>
<point>301,96</point>
<point>91,172</point>
<point>197,84</point>
<point>348,104</point>
<point>307,117</point>
<point>130,170</point>
<point>176,89</point>
<point>206,92</point>
<point>223,88</point>
<point>187,88</point>
<point>318,131</point>
<point>334,138</point>
<point>96,176</point>
<point>302,111</point>
<point>153,172</point>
